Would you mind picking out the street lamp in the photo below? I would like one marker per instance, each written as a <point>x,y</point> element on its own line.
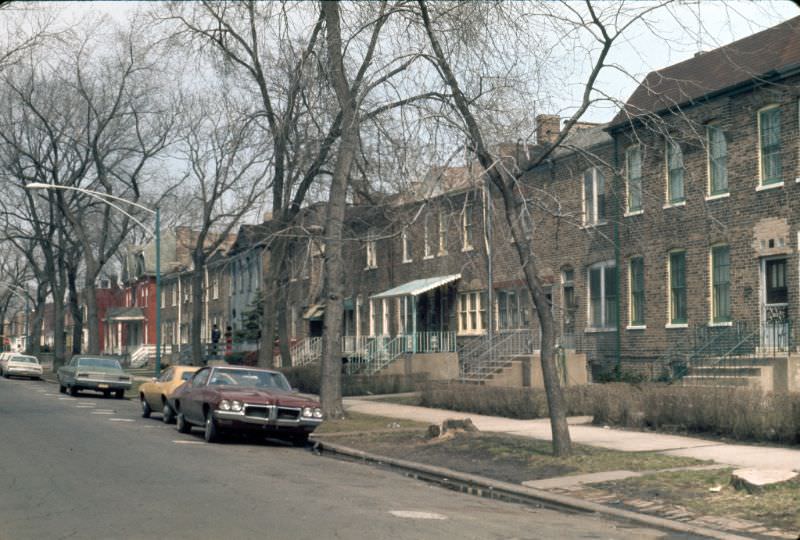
<point>104,197</point>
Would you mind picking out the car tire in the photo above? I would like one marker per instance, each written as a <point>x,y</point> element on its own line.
<point>145,407</point>
<point>181,424</point>
<point>167,414</point>
<point>211,433</point>
<point>73,391</point>
<point>62,389</point>
<point>299,440</point>
<point>119,394</point>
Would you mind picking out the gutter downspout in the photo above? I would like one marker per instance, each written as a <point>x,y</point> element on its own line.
<point>618,262</point>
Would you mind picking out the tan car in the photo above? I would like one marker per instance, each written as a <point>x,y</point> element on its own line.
<point>153,395</point>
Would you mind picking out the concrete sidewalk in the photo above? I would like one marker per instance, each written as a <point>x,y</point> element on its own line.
<point>735,455</point>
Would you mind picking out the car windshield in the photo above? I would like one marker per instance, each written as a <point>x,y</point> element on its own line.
<point>186,375</point>
<point>24,359</point>
<point>107,363</point>
<point>250,377</point>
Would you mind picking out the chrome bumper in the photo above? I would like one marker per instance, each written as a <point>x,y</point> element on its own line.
<point>272,419</point>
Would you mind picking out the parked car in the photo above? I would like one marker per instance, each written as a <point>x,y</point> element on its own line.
<point>21,365</point>
<point>153,395</point>
<point>226,399</point>
<point>92,373</point>
<point>4,356</point>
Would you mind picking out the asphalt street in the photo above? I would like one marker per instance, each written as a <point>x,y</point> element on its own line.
<point>89,467</point>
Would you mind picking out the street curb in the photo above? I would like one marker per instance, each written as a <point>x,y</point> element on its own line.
<point>496,489</point>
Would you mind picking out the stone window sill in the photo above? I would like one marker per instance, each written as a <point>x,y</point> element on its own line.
<point>633,213</point>
<point>676,325</point>
<point>765,187</point>
<point>717,196</point>
<point>637,327</point>
<point>674,204</point>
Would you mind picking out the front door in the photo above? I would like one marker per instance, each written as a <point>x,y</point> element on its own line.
<point>775,304</point>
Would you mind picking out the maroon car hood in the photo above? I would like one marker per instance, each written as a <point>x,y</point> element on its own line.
<point>262,396</point>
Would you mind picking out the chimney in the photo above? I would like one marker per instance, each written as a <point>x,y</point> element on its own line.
<point>547,128</point>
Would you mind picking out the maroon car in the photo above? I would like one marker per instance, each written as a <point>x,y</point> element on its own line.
<point>225,399</point>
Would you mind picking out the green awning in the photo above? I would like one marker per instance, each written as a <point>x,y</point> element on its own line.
<point>418,286</point>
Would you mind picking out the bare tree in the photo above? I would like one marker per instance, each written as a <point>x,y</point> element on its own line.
<point>227,164</point>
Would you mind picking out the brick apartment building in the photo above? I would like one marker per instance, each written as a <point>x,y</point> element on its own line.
<point>669,231</point>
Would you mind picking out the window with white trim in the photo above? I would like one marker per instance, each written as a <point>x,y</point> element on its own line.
<point>513,309</point>
<point>442,233</point>
<point>215,287</point>
<point>602,287</point>
<point>372,252</point>
<point>720,284</point>
<point>677,287</point>
<point>406,241</point>
<point>769,145</point>
<point>163,297</point>
<point>594,197</point>
<point>633,174</point>
<point>175,294</point>
<point>466,226</point>
<point>717,160</point>
<point>636,298</point>
<point>472,312</point>
<point>675,173</point>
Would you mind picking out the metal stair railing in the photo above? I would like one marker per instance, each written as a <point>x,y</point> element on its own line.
<point>306,351</point>
<point>483,360</point>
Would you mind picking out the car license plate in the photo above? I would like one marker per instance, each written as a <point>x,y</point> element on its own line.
<point>102,386</point>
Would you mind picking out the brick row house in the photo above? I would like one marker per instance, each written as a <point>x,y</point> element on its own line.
<point>667,240</point>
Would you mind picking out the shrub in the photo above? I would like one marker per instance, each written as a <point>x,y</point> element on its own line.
<point>741,414</point>
<point>307,380</point>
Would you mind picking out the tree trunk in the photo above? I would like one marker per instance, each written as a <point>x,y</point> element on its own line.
<point>196,338</point>
<point>331,387</point>
<point>73,299</point>
<point>512,203</point>
<point>272,283</point>
<point>283,328</point>
<point>92,320</point>
<point>59,352</point>
<point>36,322</point>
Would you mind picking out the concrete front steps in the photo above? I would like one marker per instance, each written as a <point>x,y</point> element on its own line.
<point>753,373</point>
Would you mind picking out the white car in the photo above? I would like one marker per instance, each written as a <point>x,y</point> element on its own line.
<point>21,365</point>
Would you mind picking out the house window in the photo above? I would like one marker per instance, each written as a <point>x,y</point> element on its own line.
<point>378,318</point>
<point>215,287</point>
<point>769,141</point>
<point>472,312</point>
<point>568,300</point>
<point>721,284</point>
<point>466,227</point>
<point>637,291</point>
<point>385,316</point>
<point>717,160</point>
<point>163,298</point>
<point>594,197</point>
<point>677,287</point>
<point>442,233</point>
<point>175,294</point>
<point>372,255</point>
<point>513,309</point>
<point>406,245</point>
<point>427,236</point>
<point>675,193</point>
<point>633,168</point>
<point>602,295</point>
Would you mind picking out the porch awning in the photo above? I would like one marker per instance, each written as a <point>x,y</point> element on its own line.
<point>314,312</point>
<point>125,314</point>
<point>418,286</point>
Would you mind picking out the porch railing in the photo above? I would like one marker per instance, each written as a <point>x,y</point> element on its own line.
<point>370,354</point>
<point>306,351</point>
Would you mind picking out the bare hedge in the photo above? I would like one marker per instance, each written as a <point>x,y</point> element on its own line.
<point>740,414</point>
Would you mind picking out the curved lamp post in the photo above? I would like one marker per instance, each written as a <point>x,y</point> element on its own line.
<point>156,232</point>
